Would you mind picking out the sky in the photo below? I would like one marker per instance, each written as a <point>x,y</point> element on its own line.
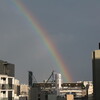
<point>72,25</point>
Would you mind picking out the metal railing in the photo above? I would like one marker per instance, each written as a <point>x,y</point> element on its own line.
<point>6,86</point>
<point>9,98</point>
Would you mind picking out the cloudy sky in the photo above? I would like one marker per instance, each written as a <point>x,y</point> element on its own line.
<point>72,25</point>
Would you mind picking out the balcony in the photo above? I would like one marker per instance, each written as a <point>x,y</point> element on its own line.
<point>9,98</point>
<point>6,86</point>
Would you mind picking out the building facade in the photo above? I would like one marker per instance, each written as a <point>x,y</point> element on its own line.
<point>96,74</point>
<point>16,89</point>
<point>24,92</point>
<point>6,87</point>
<point>7,68</point>
<point>7,74</point>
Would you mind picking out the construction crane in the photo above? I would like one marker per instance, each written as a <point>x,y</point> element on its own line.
<point>31,78</point>
<point>51,77</point>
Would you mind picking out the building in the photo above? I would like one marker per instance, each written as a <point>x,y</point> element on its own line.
<point>7,68</point>
<point>16,89</point>
<point>6,87</point>
<point>6,81</point>
<point>57,90</point>
<point>10,88</point>
<point>24,92</point>
<point>96,74</point>
<point>88,84</point>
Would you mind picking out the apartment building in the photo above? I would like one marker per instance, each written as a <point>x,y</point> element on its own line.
<point>7,74</point>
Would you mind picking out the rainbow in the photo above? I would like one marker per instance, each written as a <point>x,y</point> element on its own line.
<point>45,38</point>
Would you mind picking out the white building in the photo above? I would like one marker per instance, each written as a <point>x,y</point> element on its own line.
<point>6,87</point>
<point>89,84</point>
<point>9,86</point>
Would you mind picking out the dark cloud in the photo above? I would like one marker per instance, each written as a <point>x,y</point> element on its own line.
<point>72,25</point>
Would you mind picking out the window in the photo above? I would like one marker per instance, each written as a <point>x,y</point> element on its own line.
<point>4,92</point>
<point>3,78</point>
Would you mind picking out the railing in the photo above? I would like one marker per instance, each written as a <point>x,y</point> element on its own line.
<point>3,98</point>
<point>6,86</point>
<point>9,98</point>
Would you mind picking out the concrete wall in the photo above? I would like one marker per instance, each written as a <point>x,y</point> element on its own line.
<point>7,68</point>
<point>52,97</point>
<point>34,93</point>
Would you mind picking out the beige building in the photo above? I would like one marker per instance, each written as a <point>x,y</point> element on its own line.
<point>16,89</point>
<point>96,74</point>
<point>69,97</point>
<point>24,90</point>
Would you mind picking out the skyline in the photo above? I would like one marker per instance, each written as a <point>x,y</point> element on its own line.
<point>73,26</point>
